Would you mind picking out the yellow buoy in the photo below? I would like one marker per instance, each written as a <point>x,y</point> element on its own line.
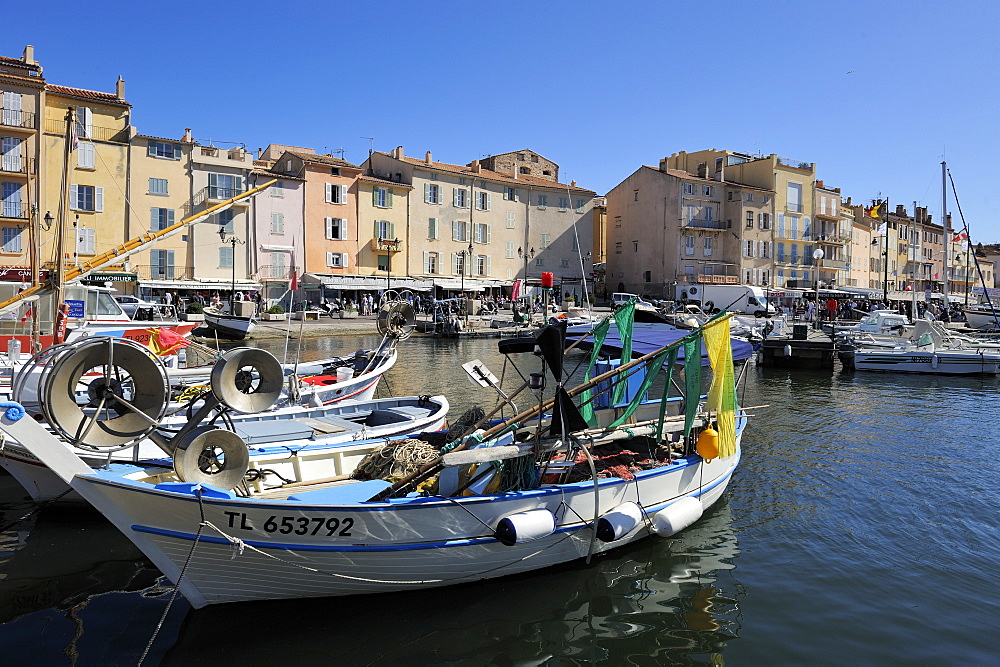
<point>708,444</point>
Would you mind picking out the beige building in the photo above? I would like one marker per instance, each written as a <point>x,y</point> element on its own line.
<point>383,214</point>
<point>22,94</point>
<point>831,233</point>
<point>474,228</point>
<point>860,248</point>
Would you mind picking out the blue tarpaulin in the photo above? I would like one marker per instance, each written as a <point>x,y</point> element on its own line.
<point>649,337</point>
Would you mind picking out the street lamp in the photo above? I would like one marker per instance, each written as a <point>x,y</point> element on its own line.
<point>465,299</point>
<point>232,240</point>
<point>526,256</point>
<point>817,255</point>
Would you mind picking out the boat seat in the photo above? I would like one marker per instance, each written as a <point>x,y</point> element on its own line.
<point>263,432</point>
<point>384,418</point>
<point>343,494</point>
<point>411,410</point>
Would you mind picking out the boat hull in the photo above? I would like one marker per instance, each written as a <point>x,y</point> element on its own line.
<point>941,362</point>
<point>237,550</point>
<point>230,326</point>
<point>981,319</point>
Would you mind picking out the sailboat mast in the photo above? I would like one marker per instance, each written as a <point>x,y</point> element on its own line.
<point>946,224</point>
<point>64,203</point>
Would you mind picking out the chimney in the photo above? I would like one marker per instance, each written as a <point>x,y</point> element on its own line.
<point>187,135</point>
<point>120,88</point>
<point>702,170</point>
<point>29,55</point>
<point>427,157</point>
<point>397,152</point>
<point>513,171</point>
<point>572,184</point>
<point>901,210</point>
<point>476,168</point>
<point>819,184</point>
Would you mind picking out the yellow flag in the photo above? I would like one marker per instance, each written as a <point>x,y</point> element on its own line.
<point>722,394</point>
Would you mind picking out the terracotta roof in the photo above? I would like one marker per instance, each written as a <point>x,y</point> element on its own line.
<point>17,62</point>
<point>384,181</point>
<point>324,159</point>
<point>275,174</point>
<point>170,141</point>
<point>84,94</point>
<point>488,175</point>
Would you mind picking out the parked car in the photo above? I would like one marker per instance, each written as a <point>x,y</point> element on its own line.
<point>137,309</point>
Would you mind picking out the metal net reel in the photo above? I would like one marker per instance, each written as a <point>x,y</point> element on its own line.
<point>104,394</point>
<point>246,379</point>
<point>396,319</point>
<point>211,455</point>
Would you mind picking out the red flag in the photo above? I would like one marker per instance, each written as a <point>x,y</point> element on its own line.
<point>960,237</point>
<point>295,282</point>
<point>27,314</point>
<point>515,290</point>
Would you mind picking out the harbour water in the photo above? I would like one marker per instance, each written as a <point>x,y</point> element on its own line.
<point>860,528</point>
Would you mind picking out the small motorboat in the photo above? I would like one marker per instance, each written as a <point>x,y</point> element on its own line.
<point>228,325</point>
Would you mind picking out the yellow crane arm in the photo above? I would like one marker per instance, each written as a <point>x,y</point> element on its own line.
<point>119,253</point>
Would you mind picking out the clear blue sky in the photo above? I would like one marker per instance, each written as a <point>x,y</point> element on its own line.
<point>875,93</point>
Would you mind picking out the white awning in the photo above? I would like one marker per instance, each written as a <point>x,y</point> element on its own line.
<point>371,283</point>
<point>200,284</point>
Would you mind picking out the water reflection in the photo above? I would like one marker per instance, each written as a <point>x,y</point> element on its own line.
<point>675,597</point>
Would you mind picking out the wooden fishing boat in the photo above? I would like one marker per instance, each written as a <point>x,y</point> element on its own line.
<point>228,325</point>
<point>550,485</point>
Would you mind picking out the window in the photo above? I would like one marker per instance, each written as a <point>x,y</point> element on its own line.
<point>688,269</point>
<point>511,219</point>
<point>226,220</point>
<point>459,231</point>
<point>806,228</point>
<point>337,260</point>
<point>793,224</point>
<point>545,240</point>
<point>482,233</point>
<point>226,257</point>
<point>278,267</point>
<point>458,264</point>
<point>781,252</point>
<point>708,246</point>
<point>749,196</point>
<point>384,229</point>
<point>11,193</point>
<point>708,190</point>
<point>483,200</point>
<point>524,170</point>
<point>689,188</point>
<point>160,218</point>
<point>542,201</point>
<point>618,247</point>
<point>84,122</point>
<point>162,264</point>
<point>86,198</point>
<point>460,197</point>
<point>382,197</point>
<point>647,276</point>
<point>432,193</point>
<point>794,198</point>
<point>278,189</point>
<point>432,228</point>
<point>635,195</point>
<point>383,262</point>
<point>510,194</point>
<point>767,199</point>
<point>430,263</point>
<point>483,265</point>
<point>85,155</point>
<point>580,203</point>
<point>539,261</point>
<point>224,186</point>
<point>462,181</point>
<point>618,221</point>
<point>688,245</point>
<point>336,229</point>
<point>158,186</point>
<point>508,249</point>
<point>335,171</point>
<point>163,150</point>
<point>764,220</point>
<point>748,251</point>
<point>12,239</point>
<point>795,253</point>
<point>564,263</point>
<point>749,219</point>
<point>564,203</point>
<point>336,194</point>
<point>277,223</point>
<point>576,244</point>
<point>708,214</point>
<point>765,249</point>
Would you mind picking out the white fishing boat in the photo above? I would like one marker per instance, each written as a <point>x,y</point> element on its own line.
<point>533,491</point>
<point>930,354</point>
<point>229,325</point>
<point>982,317</point>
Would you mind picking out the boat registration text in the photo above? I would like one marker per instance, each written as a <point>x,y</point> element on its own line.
<point>298,525</point>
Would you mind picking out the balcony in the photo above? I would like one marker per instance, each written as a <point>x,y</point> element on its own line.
<point>834,264</point>
<point>274,272</point>
<point>711,279</point>
<point>17,165</point>
<point>13,210</point>
<point>697,223</point>
<point>94,132</point>
<point>793,208</point>
<point>215,195</point>
<point>383,245</point>
<point>16,118</point>
<point>163,272</point>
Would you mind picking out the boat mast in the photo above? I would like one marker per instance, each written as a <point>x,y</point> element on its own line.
<point>946,224</point>
<point>63,208</point>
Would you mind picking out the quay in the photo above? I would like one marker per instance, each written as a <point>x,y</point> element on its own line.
<point>804,347</point>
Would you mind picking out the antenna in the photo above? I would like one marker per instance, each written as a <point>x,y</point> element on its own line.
<point>335,151</point>
<point>371,144</point>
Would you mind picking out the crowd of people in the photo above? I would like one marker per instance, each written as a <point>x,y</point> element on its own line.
<point>856,309</point>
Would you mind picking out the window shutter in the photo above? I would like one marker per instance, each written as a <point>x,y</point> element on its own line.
<point>392,230</point>
<point>213,180</point>
<point>151,149</point>
<point>427,262</point>
<point>489,233</point>
<point>343,259</point>
<point>431,228</point>
<point>73,198</point>
<point>489,201</point>
<point>329,259</point>
<point>239,186</point>
<point>154,219</point>
<point>177,156</point>
<point>489,270</point>
<point>427,193</point>
<point>329,193</point>
<point>99,199</point>
<point>343,193</point>
<point>170,217</point>
<point>374,196</point>
<point>455,227</point>
<point>454,196</point>
<point>170,263</point>
<point>388,197</point>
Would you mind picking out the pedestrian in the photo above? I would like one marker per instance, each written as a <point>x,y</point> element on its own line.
<point>831,308</point>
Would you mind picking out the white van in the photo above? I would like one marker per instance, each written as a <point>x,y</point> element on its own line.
<point>748,299</point>
<point>621,298</point>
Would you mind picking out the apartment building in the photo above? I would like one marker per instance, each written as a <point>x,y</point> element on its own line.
<point>383,218</point>
<point>277,232</point>
<point>859,249</point>
<point>473,228</point>
<point>22,95</point>
<point>831,235</point>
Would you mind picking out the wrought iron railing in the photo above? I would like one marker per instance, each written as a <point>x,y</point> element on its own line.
<point>13,210</point>
<point>17,118</point>
<point>95,132</point>
<point>274,272</point>
<point>17,165</point>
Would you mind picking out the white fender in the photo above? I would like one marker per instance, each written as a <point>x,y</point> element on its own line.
<point>525,527</point>
<point>677,516</point>
<point>788,350</point>
<point>619,522</point>
<point>934,361</point>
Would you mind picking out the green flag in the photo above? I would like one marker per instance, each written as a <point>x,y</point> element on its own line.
<point>692,381</point>
<point>587,404</point>
<point>624,318</point>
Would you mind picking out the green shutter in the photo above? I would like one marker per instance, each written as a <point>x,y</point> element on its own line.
<point>375,230</point>
<point>392,230</point>
<point>374,196</point>
<point>388,197</point>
